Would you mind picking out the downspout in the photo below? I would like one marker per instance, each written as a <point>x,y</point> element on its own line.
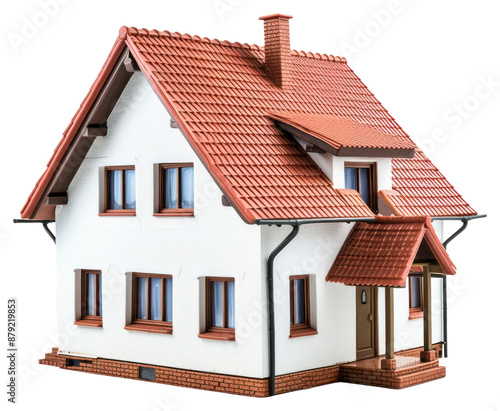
<point>270,299</point>
<point>270,279</point>
<point>44,224</point>
<point>465,223</point>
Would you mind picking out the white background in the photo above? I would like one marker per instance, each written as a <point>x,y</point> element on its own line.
<point>426,62</point>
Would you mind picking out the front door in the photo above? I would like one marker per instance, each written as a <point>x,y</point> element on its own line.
<point>366,322</point>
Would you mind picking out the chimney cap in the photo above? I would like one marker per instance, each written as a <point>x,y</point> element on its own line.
<point>276,16</point>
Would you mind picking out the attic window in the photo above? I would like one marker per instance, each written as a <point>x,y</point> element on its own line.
<point>119,190</point>
<point>362,177</point>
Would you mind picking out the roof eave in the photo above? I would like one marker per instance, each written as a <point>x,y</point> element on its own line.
<point>32,207</point>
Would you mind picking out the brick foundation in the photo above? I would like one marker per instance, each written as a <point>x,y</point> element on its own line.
<point>306,379</point>
<point>254,387</point>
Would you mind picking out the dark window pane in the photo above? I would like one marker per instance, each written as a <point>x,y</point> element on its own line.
<point>415,292</point>
<point>142,298</point>
<point>300,308</point>
<point>170,178</point>
<point>100,295</point>
<point>129,189</point>
<point>230,304</point>
<point>91,292</point>
<point>217,304</point>
<point>168,300</point>
<point>187,187</point>
<point>351,178</point>
<point>364,182</point>
<point>114,189</point>
<point>156,302</point>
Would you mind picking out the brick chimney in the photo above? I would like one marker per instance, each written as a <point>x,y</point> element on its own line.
<point>277,47</point>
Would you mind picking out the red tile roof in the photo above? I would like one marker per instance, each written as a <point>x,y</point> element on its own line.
<point>220,95</point>
<point>341,132</point>
<point>381,253</point>
<point>419,188</point>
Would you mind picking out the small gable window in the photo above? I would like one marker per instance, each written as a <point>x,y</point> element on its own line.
<point>176,191</point>
<point>120,190</point>
<point>362,178</point>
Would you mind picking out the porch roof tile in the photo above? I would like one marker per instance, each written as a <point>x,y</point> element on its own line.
<point>381,253</point>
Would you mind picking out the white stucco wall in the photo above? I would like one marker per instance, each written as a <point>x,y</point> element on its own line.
<point>333,305</point>
<point>216,242</point>
<point>312,252</point>
<point>334,166</point>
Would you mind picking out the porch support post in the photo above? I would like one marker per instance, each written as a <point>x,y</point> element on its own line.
<point>428,354</point>
<point>389,362</point>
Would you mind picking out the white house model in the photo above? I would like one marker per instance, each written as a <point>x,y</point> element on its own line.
<point>246,220</point>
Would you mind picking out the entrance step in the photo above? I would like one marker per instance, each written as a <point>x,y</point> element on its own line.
<point>408,372</point>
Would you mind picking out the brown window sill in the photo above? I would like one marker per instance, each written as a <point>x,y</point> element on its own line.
<point>415,314</point>
<point>89,323</point>
<point>302,332</point>
<point>212,335</point>
<point>119,213</point>
<point>150,328</point>
<point>176,212</point>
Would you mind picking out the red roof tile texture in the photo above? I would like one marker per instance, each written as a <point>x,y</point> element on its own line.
<point>381,253</point>
<point>341,132</point>
<point>220,95</point>
<point>421,189</point>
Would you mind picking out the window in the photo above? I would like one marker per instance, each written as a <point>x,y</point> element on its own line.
<point>219,308</point>
<point>151,303</point>
<point>91,299</point>
<point>176,189</point>
<point>299,306</point>
<point>415,297</point>
<point>362,178</point>
<point>119,190</point>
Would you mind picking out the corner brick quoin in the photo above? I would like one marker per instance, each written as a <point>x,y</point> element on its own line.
<point>256,387</point>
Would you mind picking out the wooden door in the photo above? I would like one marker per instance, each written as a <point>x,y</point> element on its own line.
<point>366,322</point>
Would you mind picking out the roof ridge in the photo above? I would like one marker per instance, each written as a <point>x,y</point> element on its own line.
<point>318,56</point>
<point>134,31</point>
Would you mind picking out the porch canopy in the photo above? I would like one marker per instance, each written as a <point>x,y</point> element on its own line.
<point>381,253</point>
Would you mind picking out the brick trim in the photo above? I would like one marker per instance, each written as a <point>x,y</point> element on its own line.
<point>253,387</point>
